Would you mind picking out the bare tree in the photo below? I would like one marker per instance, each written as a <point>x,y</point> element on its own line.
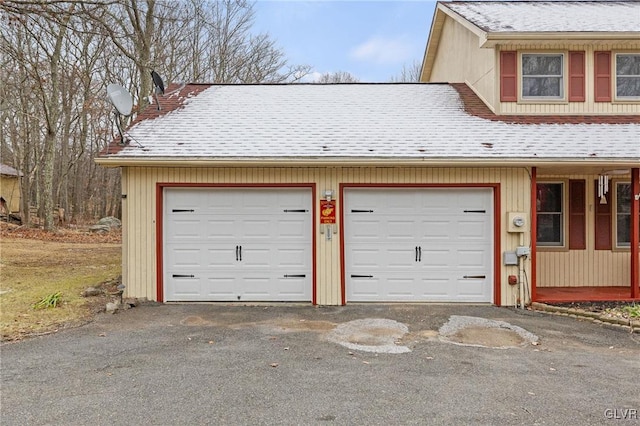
<point>337,77</point>
<point>57,56</point>
<point>409,73</point>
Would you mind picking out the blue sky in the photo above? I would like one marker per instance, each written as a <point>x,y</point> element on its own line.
<point>371,40</point>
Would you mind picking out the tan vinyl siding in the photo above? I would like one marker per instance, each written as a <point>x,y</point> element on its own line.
<point>577,268</point>
<point>565,107</point>
<point>139,212</point>
<point>469,64</point>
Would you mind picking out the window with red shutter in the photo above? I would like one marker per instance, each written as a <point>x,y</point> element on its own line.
<point>576,77</point>
<point>602,78</point>
<point>577,215</point>
<point>508,76</point>
<point>602,221</point>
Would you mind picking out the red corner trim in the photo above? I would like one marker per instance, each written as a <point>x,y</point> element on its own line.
<point>635,233</point>
<point>534,227</point>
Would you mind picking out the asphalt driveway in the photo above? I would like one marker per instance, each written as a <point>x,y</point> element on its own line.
<point>219,364</point>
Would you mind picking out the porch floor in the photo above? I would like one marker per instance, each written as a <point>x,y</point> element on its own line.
<point>583,294</point>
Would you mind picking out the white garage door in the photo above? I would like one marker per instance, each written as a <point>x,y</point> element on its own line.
<point>237,244</point>
<point>419,244</point>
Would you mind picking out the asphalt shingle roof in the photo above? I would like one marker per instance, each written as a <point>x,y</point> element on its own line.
<point>364,121</point>
<point>550,16</point>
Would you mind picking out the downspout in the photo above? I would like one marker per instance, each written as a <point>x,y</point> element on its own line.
<point>534,226</point>
<point>635,233</point>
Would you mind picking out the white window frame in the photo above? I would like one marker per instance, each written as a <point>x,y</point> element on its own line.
<point>615,75</point>
<point>562,76</point>
<point>615,214</point>
<point>564,214</point>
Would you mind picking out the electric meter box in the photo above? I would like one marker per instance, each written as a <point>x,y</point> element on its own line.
<point>517,222</point>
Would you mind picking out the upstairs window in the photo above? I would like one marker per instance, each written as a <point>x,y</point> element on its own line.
<point>542,76</point>
<point>628,76</point>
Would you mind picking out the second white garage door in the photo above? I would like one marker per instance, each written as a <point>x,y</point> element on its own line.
<point>237,244</point>
<point>427,244</point>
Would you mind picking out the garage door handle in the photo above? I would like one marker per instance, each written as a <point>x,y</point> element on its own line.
<point>238,253</point>
<point>295,276</point>
<point>361,276</point>
<point>182,276</point>
<point>182,211</point>
<point>475,211</point>
<point>361,211</point>
<point>474,276</point>
<point>419,254</point>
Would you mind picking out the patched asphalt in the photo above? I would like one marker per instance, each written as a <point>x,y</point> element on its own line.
<point>190,364</point>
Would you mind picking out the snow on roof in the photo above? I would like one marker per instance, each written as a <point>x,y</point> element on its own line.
<point>550,16</point>
<point>364,121</point>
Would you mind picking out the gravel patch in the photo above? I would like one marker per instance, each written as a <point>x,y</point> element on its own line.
<point>376,335</point>
<point>482,332</point>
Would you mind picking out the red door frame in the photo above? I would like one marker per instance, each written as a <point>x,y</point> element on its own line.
<point>160,224</point>
<point>496,226</point>
<point>635,233</point>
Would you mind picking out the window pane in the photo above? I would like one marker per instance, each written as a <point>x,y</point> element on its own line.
<point>623,198</point>
<point>624,230</point>
<point>542,86</point>
<point>549,197</point>
<point>628,65</point>
<point>549,230</point>
<point>628,87</point>
<point>628,76</point>
<point>542,65</point>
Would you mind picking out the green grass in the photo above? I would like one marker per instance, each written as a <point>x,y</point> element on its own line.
<point>32,271</point>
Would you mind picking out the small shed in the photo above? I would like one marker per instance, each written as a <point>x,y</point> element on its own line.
<point>9,189</point>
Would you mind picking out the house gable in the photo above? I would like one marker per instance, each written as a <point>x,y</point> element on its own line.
<point>468,42</point>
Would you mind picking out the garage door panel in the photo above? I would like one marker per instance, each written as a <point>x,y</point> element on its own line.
<point>292,229</point>
<point>186,229</point>
<point>189,288</point>
<point>238,243</point>
<point>417,244</point>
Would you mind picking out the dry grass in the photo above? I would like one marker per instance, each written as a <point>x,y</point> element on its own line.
<point>32,269</point>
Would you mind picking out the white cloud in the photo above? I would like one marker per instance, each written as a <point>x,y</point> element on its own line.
<point>383,50</point>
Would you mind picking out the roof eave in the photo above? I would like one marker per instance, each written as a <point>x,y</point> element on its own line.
<point>361,161</point>
<point>492,39</point>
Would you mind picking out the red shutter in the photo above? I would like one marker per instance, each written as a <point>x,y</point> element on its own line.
<point>602,65</point>
<point>576,77</point>
<point>508,76</point>
<point>577,215</point>
<point>603,221</point>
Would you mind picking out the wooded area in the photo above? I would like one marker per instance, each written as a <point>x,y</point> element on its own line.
<point>57,57</point>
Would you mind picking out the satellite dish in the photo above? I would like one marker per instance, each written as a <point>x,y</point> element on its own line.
<point>157,81</point>
<point>120,98</point>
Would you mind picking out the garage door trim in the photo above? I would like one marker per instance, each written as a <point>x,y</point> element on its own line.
<point>160,186</point>
<point>496,226</point>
